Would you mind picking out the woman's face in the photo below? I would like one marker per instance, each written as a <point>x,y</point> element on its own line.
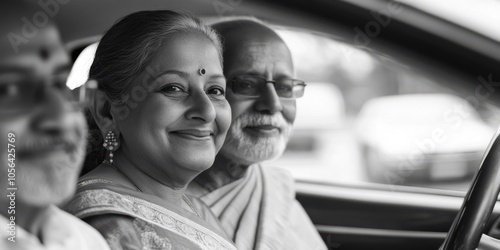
<point>173,132</point>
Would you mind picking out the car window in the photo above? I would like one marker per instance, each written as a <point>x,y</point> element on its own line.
<point>465,13</point>
<point>367,118</point>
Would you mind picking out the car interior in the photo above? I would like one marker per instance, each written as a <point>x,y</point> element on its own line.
<point>353,51</point>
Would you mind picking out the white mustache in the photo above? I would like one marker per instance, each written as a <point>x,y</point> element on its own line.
<point>276,120</point>
<point>250,148</point>
<point>68,140</point>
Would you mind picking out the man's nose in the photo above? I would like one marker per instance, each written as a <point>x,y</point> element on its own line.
<point>54,114</point>
<point>201,108</point>
<point>269,102</point>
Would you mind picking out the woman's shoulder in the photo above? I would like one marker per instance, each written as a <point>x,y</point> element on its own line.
<point>125,232</point>
<point>114,227</point>
<point>126,219</point>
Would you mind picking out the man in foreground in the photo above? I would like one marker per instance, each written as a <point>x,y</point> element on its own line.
<point>42,137</point>
<point>256,205</point>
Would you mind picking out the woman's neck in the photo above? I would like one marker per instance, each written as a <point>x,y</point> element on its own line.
<point>222,172</point>
<point>162,186</point>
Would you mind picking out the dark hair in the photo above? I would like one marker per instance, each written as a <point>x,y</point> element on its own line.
<point>127,49</point>
<point>131,44</point>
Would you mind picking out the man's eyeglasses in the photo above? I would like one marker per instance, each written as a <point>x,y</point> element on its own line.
<point>18,93</point>
<point>254,86</point>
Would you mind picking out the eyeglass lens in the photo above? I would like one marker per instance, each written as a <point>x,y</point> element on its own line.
<point>254,86</point>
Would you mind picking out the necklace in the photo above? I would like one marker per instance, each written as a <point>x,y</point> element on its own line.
<point>122,174</point>
<point>184,197</point>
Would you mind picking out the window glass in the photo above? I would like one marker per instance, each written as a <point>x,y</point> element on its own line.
<point>365,118</point>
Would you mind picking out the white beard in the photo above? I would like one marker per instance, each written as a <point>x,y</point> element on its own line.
<point>249,149</point>
<point>52,179</point>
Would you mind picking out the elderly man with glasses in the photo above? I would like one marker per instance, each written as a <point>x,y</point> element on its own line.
<point>255,204</point>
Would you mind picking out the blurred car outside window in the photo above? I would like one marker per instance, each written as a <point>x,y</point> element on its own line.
<point>368,119</point>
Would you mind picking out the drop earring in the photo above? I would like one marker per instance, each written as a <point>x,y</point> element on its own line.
<point>110,144</point>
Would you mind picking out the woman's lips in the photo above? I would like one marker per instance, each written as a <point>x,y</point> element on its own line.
<point>194,134</point>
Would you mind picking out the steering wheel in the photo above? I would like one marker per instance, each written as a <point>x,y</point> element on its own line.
<point>466,232</point>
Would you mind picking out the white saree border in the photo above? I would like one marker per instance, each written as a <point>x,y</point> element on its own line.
<point>95,201</point>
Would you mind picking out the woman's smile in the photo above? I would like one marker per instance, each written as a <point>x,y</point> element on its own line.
<point>194,134</point>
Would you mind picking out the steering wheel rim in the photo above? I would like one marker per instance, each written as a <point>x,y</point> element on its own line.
<point>470,222</point>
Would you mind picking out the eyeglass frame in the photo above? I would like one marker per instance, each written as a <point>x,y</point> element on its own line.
<point>266,81</point>
<point>37,86</point>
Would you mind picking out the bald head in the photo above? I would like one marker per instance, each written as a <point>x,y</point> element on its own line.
<point>248,41</point>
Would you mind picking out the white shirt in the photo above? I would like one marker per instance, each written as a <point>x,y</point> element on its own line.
<point>60,231</point>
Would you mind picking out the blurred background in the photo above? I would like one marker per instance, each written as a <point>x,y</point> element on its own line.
<point>376,110</point>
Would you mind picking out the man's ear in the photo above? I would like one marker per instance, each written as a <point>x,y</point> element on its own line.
<point>100,108</point>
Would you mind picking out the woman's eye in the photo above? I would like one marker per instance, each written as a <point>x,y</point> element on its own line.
<point>171,89</point>
<point>216,91</point>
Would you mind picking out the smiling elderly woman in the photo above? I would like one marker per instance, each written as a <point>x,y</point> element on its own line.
<point>160,106</point>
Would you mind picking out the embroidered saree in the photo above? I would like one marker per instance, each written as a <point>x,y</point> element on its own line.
<point>259,211</point>
<point>129,219</point>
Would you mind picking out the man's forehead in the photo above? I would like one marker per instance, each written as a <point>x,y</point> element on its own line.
<point>257,57</point>
<point>254,52</point>
<point>262,51</point>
